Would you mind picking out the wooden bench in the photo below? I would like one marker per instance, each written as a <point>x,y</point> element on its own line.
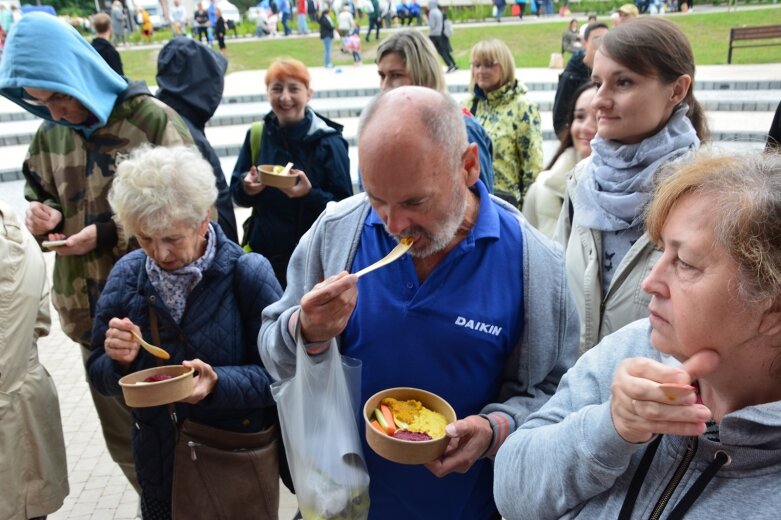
<point>760,32</point>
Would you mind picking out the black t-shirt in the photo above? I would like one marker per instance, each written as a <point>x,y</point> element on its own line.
<point>109,53</point>
<point>202,17</point>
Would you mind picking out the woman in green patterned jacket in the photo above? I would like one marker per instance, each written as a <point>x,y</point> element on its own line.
<point>499,103</point>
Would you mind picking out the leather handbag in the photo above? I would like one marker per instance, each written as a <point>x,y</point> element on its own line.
<point>224,475</point>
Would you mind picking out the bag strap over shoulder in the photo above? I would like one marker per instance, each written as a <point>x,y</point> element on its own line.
<point>255,136</point>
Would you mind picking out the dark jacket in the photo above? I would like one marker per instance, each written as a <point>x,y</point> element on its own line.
<point>314,145</point>
<point>220,326</point>
<point>109,53</point>
<point>375,10</point>
<point>326,26</point>
<point>774,134</point>
<point>476,134</point>
<point>190,79</point>
<point>573,76</point>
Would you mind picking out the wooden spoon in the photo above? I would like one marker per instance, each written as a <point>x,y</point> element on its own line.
<point>402,247</point>
<point>674,392</point>
<point>286,171</point>
<point>283,171</point>
<point>155,351</point>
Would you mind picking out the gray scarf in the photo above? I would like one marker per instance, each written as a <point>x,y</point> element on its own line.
<point>613,193</point>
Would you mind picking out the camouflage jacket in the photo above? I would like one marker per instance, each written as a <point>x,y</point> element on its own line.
<point>73,174</point>
<point>513,122</point>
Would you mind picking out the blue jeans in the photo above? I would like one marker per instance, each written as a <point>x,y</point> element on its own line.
<point>303,28</point>
<point>374,22</point>
<point>285,18</point>
<point>327,47</point>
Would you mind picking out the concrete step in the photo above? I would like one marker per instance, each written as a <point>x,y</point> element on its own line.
<point>336,108</point>
<point>725,126</point>
<point>227,143</point>
<point>740,100</point>
<point>730,118</point>
<point>12,190</point>
<point>750,95</point>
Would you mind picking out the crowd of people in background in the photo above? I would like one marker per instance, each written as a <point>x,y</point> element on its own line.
<point>206,23</point>
<point>627,294</point>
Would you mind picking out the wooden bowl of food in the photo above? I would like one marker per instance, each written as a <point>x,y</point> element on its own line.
<point>156,386</point>
<point>272,175</point>
<point>407,425</point>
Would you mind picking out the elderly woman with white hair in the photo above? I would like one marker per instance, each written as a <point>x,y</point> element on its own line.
<point>196,293</point>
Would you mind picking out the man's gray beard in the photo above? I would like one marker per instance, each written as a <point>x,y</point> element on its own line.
<point>441,240</point>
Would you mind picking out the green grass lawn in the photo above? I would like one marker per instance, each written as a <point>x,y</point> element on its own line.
<point>532,44</point>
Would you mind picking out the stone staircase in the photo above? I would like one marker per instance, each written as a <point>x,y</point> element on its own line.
<point>739,111</point>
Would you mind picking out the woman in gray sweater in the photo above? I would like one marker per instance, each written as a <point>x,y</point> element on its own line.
<point>680,413</point>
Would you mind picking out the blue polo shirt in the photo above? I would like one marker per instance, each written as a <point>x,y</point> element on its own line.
<point>450,335</point>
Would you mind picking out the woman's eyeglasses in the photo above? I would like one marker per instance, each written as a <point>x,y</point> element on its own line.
<point>485,65</point>
<point>53,100</point>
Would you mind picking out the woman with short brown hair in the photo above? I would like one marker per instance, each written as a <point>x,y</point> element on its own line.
<point>678,414</point>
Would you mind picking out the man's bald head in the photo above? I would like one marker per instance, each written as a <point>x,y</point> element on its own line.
<point>417,166</point>
<point>418,113</point>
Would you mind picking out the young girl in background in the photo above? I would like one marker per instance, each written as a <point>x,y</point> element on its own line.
<point>542,204</point>
<point>353,44</point>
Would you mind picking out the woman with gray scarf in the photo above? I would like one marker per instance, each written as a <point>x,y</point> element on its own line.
<point>647,116</point>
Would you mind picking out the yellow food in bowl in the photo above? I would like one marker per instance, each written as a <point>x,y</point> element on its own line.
<point>277,170</point>
<point>416,417</point>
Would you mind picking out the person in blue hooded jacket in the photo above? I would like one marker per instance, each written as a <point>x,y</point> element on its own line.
<point>191,79</point>
<point>92,116</point>
<point>292,132</point>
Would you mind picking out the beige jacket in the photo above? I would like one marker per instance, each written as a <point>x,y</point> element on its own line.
<point>542,204</point>
<point>33,471</point>
<point>625,300</point>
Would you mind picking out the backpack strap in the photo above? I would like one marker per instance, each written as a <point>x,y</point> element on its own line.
<point>255,135</point>
<point>473,110</point>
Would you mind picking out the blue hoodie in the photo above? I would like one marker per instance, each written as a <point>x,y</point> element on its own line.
<point>70,167</point>
<point>43,52</point>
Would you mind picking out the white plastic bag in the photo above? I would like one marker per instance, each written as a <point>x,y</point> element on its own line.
<point>317,413</point>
